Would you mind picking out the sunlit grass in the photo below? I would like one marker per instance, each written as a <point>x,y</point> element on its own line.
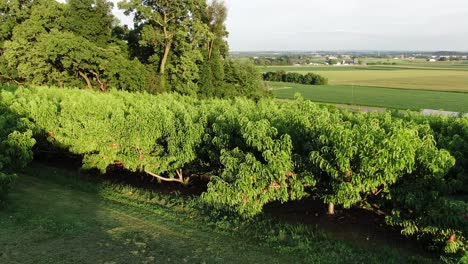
<point>374,96</point>
<point>55,217</point>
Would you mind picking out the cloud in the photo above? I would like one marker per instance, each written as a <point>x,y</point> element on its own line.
<point>344,24</point>
<point>348,24</point>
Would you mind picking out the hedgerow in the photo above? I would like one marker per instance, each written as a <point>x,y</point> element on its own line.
<point>292,77</point>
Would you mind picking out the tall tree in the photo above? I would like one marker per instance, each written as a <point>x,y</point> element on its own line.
<point>216,50</point>
<point>174,30</point>
<point>216,15</point>
<point>162,20</point>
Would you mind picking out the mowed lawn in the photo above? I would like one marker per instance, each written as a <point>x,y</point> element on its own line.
<point>442,78</point>
<point>52,223</point>
<point>375,96</point>
<point>54,216</point>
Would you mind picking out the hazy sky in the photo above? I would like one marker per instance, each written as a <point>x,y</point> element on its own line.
<point>256,25</point>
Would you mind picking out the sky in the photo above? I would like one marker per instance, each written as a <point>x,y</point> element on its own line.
<point>274,25</point>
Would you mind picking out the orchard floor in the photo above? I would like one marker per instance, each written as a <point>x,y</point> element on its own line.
<point>57,215</point>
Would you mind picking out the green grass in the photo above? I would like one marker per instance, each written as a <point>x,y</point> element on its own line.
<point>375,96</point>
<point>439,77</point>
<point>56,217</point>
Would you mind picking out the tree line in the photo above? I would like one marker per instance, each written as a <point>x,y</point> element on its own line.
<point>293,77</point>
<point>175,46</point>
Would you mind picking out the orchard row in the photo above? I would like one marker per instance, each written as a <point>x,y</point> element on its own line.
<point>407,167</point>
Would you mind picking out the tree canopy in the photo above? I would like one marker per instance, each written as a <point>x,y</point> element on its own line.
<point>175,46</point>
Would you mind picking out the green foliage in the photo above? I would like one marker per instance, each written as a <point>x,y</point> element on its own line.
<point>212,72</point>
<point>450,133</point>
<point>177,46</point>
<point>189,54</point>
<point>43,53</point>
<point>292,77</point>
<point>164,143</point>
<point>12,13</point>
<point>259,152</point>
<point>15,141</point>
<point>367,154</point>
<point>206,81</point>
<point>381,162</point>
<point>17,149</point>
<point>174,31</point>
<point>428,205</point>
<point>16,144</point>
<point>242,78</point>
<point>91,19</point>
<point>257,163</point>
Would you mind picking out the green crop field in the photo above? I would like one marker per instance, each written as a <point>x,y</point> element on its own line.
<point>375,96</point>
<point>442,77</point>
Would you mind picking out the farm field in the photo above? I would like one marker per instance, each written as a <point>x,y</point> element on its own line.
<point>56,216</point>
<point>374,96</point>
<point>440,77</point>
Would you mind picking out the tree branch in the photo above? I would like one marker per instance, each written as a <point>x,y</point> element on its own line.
<point>88,82</point>
<point>102,84</point>
<point>378,192</point>
<point>179,173</point>
<point>170,18</point>
<point>159,23</point>
<point>11,79</point>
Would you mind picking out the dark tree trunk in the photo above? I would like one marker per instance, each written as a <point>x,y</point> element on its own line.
<point>88,82</point>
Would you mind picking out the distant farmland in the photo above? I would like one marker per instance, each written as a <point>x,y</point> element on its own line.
<point>375,96</point>
<point>440,77</point>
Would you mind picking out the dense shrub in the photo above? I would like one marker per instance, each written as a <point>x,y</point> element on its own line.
<point>241,79</point>
<point>383,163</point>
<point>450,133</point>
<point>15,146</point>
<point>256,163</point>
<point>430,207</point>
<point>292,77</point>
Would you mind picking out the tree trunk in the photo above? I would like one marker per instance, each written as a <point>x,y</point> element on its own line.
<point>178,172</point>
<point>102,84</point>
<point>331,209</point>
<point>167,41</point>
<point>210,48</point>
<point>167,49</point>
<point>88,82</point>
